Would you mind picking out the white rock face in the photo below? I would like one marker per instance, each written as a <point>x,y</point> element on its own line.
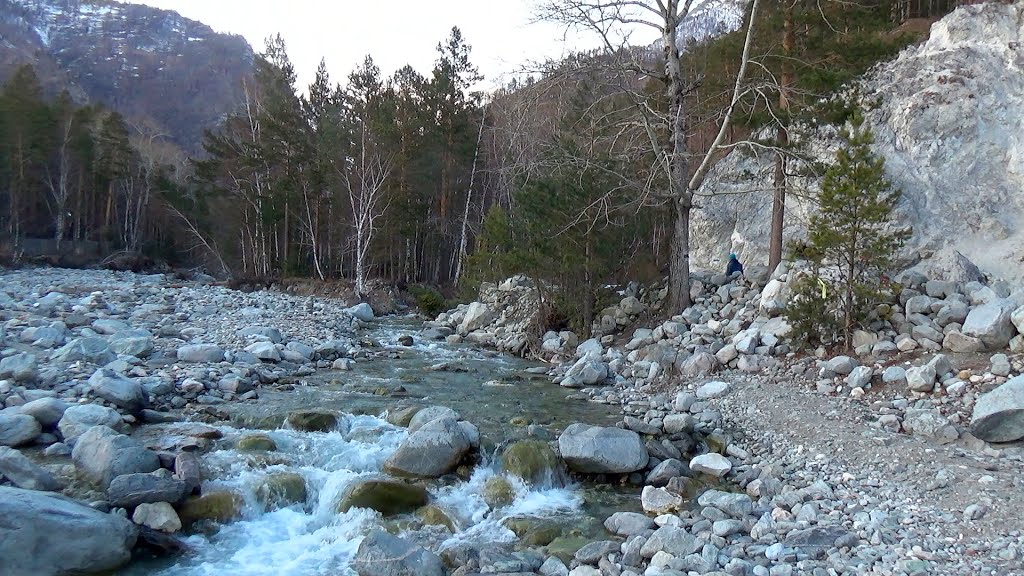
<point>950,124</point>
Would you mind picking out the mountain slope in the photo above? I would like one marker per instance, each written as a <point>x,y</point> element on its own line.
<point>948,119</point>
<point>138,60</point>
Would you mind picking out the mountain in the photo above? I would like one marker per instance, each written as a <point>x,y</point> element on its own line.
<point>141,61</point>
<point>948,117</point>
<point>711,19</point>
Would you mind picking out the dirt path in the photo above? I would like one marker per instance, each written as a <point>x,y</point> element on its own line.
<point>925,486</point>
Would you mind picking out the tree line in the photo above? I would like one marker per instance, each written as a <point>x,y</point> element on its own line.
<point>582,174</point>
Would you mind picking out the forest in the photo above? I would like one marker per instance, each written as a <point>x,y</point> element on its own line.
<point>570,174</point>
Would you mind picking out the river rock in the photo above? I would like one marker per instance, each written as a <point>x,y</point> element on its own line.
<point>388,497</point>
<point>281,489</point>
<point>381,554</point>
<point>991,323</point>
<point>201,353</point>
<point>158,516</point>
<point>102,454</point>
<point>18,429</point>
<point>698,364</point>
<point>188,468</point>
<point>929,424</point>
<point>659,501</point>
<point>430,414</point>
<point>361,311</point>
<point>137,346</point>
<point>859,377</point>
<point>212,507</point>
<point>712,390</point>
<point>999,415</point>
<point>921,378</point>
<point>534,462</point>
<point>596,450</point>
<point>20,367</point>
<point>130,490</point>
<point>664,472</point>
<point>265,351</point>
<point>842,365</point>
<point>123,392</point>
<point>77,419</point>
<point>272,334</point>
<point>732,503</point>
<point>313,421</point>
<point>25,473</point>
<point>47,411</point>
<point>94,350</point>
<point>256,443</point>
<point>433,450</point>
<point>58,536</point>
<point>477,316</point>
<point>672,540</point>
<point>713,464</point>
<point>629,523</point>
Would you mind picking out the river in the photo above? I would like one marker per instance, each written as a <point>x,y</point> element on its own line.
<point>310,537</point>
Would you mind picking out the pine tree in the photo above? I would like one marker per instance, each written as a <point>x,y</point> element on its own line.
<point>851,242</point>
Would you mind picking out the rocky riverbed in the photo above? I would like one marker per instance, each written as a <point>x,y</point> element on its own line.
<point>140,398</point>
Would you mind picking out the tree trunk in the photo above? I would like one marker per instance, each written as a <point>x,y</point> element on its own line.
<point>679,269</point>
<point>782,140</point>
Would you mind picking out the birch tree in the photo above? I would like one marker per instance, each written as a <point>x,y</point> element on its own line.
<point>620,25</point>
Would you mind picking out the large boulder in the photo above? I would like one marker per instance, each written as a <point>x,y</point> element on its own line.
<point>138,346</point>
<point>991,323</point>
<point>381,554</point>
<point>597,450</point>
<point>48,535</point>
<point>18,429</point>
<point>78,419</point>
<point>313,421</point>
<point>102,454</point>
<point>999,415</point>
<point>118,390</point>
<point>429,414</point>
<point>477,316</point>
<point>385,496</point>
<point>433,450</point>
<point>361,311</point>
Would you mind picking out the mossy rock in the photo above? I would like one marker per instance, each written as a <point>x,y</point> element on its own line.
<point>498,492</point>
<point>431,515</point>
<point>519,526</point>
<point>402,416</point>
<point>385,496</point>
<point>565,547</point>
<point>281,490</point>
<point>541,536</point>
<point>256,443</point>
<point>214,507</point>
<point>533,461</point>
<point>313,421</point>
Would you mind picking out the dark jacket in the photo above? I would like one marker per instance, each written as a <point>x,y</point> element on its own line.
<point>734,267</point>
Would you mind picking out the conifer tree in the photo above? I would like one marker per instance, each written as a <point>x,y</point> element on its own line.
<point>852,243</point>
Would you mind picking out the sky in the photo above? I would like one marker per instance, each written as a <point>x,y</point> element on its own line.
<point>394,32</point>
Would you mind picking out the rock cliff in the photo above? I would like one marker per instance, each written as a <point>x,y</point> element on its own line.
<point>948,117</point>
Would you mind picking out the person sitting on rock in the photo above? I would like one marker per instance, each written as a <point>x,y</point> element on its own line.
<point>734,268</point>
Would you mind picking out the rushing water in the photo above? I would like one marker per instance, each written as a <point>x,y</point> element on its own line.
<point>312,538</point>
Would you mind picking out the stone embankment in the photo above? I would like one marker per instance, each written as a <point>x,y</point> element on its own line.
<point>87,355</point>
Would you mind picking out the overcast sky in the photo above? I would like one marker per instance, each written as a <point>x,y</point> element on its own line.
<point>394,32</point>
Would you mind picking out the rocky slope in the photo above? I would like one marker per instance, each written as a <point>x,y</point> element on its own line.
<point>141,61</point>
<point>948,117</point>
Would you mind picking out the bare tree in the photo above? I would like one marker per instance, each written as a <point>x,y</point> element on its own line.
<point>365,178</point>
<point>614,22</point>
